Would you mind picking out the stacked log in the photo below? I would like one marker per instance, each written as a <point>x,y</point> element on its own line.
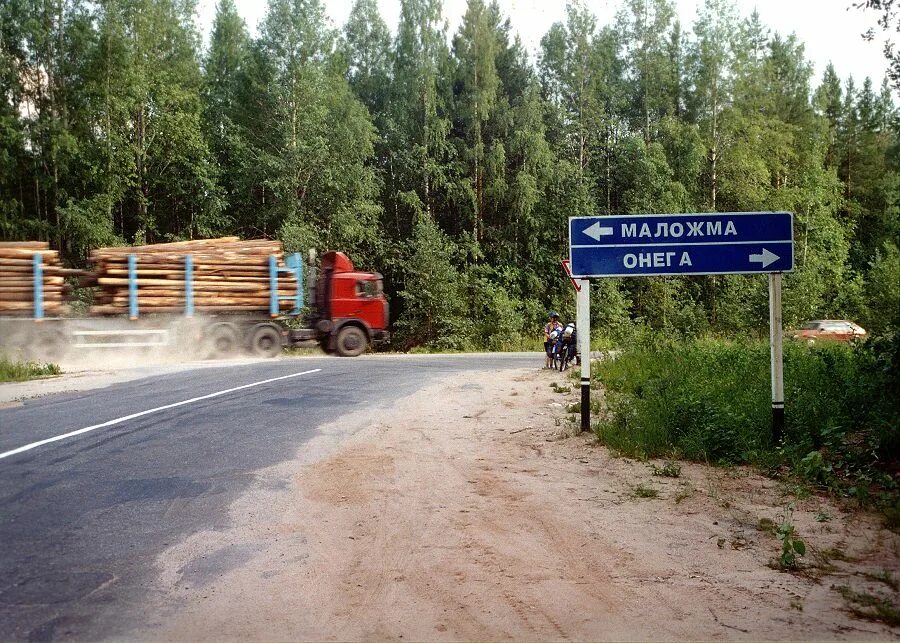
<point>228,275</point>
<point>17,278</point>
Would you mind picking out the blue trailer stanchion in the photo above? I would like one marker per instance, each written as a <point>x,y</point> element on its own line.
<point>294,266</point>
<point>273,286</point>
<point>188,285</point>
<point>38,270</point>
<point>132,287</point>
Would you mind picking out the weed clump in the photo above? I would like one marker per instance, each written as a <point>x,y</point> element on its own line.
<point>668,470</point>
<point>11,371</point>
<point>870,607</point>
<point>641,491</point>
<point>792,548</point>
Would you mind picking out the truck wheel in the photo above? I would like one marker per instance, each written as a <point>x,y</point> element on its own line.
<point>265,341</point>
<point>351,341</point>
<point>221,341</point>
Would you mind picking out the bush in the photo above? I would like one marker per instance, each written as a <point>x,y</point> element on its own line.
<point>706,400</point>
<point>709,400</point>
<point>434,313</point>
<point>11,371</point>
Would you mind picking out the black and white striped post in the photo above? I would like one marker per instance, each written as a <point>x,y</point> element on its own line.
<point>583,317</point>
<point>777,356</point>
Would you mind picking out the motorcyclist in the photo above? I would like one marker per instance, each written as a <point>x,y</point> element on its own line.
<point>552,325</point>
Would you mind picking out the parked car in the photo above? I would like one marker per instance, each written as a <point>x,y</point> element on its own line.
<point>836,330</point>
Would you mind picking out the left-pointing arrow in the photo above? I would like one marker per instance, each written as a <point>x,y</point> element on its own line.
<point>766,258</point>
<point>596,231</point>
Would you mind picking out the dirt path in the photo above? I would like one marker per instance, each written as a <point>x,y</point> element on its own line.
<point>465,513</point>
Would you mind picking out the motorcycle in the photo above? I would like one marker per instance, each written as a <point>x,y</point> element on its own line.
<point>554,348</point>
<point>568,348</point>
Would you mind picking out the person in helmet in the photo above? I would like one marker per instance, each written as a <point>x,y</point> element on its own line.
<point>552,326</point>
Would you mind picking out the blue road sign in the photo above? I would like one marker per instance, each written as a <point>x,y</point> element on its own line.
<point>722,243</point>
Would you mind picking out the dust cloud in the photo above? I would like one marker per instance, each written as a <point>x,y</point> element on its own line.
<point>115,343</point>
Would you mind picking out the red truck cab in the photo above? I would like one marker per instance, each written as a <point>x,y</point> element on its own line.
<point>350,310</point>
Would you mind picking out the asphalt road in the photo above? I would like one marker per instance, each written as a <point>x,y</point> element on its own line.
<point>83,519</point>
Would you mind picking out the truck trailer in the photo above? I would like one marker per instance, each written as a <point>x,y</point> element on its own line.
<point>346,314</point>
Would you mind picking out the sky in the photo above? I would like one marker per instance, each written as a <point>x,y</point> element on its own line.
<point>829,31</point>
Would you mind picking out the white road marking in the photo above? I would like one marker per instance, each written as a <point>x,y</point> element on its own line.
<point>34,445</point>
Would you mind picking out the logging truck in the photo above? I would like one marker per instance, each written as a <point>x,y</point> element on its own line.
<point>214,300</point>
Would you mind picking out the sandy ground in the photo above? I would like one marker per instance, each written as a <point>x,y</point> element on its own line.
<point>466,512</point>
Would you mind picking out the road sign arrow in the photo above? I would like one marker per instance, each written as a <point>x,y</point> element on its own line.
<point>766,258</point>
<point>596,231</point>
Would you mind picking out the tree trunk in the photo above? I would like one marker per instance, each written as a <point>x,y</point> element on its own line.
<point>608,170</point>
<point>140,169</point>
<point>715,144</point>
<point>425,150</point>
<point>109,205</point>
<point>478,150</point>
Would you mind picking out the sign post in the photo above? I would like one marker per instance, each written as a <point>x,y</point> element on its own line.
<point>583,325</point>
<point>719,243</point>
<point>583,321</point>
<point>777,358</point>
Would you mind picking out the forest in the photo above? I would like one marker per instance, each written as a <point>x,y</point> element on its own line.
<point>450,162</point>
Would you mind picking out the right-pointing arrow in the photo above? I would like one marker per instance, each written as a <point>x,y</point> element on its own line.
<point>766,258</point>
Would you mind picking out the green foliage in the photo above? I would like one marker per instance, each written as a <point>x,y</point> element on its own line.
<point>709,400</point>
<point>883,290</point>
<point>497,320</point>
<point>870,607</point>
<point>705,399</point>
<point>117,127</point>
<point>640,491</point>
<point>792,547</point>
<point>886,577</point>
<point>12,371</point>
<point>434,306</point>
<point>668,470</point>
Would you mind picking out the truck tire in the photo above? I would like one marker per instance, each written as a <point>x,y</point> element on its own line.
<point>351,341</point>
<point>265,341</point>
<point>221,341</point>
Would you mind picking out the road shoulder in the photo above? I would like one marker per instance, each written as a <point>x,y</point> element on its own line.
<point>466,512</point>
<point>99,375</point>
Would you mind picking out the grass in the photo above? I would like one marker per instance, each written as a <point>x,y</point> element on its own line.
<point>684,492</point>
<point>885,577</point>
<point>11,371</point>
<point>869,607</point>
<point>668,470</point>
<point>641,491</point>
<point>708,400</point>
